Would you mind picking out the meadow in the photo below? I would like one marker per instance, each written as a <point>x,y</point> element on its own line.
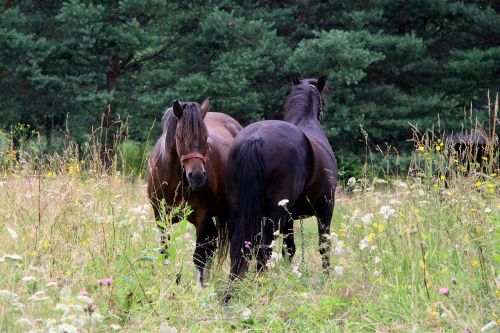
<point>419,253</point>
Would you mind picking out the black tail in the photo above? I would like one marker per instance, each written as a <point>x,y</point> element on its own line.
<point>246,221</point>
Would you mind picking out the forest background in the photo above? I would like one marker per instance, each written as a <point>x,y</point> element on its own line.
<point>68,68</point>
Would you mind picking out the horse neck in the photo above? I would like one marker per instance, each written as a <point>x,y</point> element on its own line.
<point>302,119</point>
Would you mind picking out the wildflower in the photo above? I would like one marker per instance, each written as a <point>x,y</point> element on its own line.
<point>438,148</point>
<point>276,233</point>
<point>454,280</point>
<point>378,227</point>
<point>488,326</point>
<point>342,232</point>
<point>108,281</point>
<point>246,314</point>
<point>376,274</point>
<point>367,219</point>
<point>283,202</point>
<point>248,244</point>
<point>13,257</point>
<point>421,148</point>
<point>475,263</point>
<point>273,243</point>
<point>339,270</point>
<point>51,284</point>
<point>115,327</point>
<point>12,233</point>
<point>377,260</point>
<point>487,210</point>
<point>269,264</point>
<point>444,291</point>
<point>387,211</point>
<point>478,183</point>
<point>28,279</point>
<point>50,174</point>
<point>339,248</point>
<point>296,271</point>
<point>39,296</point>
<point>84,292</point>
<point>442,177</point>
<point>362,244</point>
<point>351,182</point>
<point>433,314</point>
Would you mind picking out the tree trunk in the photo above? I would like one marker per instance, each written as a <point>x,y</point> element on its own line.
<point>108,120</point>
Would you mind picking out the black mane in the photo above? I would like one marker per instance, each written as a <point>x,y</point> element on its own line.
<point>304,104</point>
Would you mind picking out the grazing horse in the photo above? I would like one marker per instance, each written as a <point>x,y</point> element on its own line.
<point>273,160</point>
<point>188,165</point>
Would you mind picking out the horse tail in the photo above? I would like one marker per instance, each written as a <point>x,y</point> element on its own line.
<point>246,224</point>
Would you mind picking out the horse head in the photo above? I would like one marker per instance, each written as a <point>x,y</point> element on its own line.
<point>191,140</point>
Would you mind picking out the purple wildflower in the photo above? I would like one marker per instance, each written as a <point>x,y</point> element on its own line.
<point>444,291</point>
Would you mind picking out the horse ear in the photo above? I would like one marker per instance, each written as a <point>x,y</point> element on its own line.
<point>205,107</point>
<point>321,83</point>
<point>177,109</point>
<point>295,79</point>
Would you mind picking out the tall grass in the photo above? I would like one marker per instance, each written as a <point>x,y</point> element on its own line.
<point>79,252</point>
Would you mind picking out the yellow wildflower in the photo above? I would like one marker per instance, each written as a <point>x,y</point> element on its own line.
<point>378,227</point>
<point>438,148</point>
<point>432,314</point>
<point>342,232</point>
<point>478,183</point>
<point>421,148</point>
<point>475,263</point>
<point>442,177</point>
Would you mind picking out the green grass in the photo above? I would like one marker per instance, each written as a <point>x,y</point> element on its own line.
<point>79,229</point>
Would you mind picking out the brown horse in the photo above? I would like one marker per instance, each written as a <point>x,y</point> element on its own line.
<point>188,165</point>
<point>273,160</point>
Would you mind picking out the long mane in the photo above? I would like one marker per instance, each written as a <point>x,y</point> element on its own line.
<point>303,104</point>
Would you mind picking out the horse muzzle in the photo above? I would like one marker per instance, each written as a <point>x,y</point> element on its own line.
<point>197,179</point>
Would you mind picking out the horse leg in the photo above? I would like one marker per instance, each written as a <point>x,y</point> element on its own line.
<point>288,239</point>
<point>206,238</point>
<point>264,251</point>
<point>324,219</point>
<point>163,238</point>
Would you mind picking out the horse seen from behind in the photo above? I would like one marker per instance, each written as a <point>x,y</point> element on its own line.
<point>271,161</point>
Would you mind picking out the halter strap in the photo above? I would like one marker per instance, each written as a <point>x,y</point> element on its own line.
<point>203,157</point>
<point>191,155</point>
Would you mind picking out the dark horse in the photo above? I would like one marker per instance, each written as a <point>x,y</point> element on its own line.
<point>273,160</point>
<point>188,165</point>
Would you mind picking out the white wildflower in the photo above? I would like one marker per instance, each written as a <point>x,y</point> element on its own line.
<point>339,270</point>
<point>376,273</point>
<point>351,182</point>
<point>28,278</point>
<point>12,233</point>
<point>487,210</point>
<point>67,328</point>
<point>273,243</point>
<point>387,211</point>
<point>488,327</point>
<point>39,296</point>
<point>115,327</point>
<point>363,244</point>
<point>367,219</point>
<point>394,202</point>
<point>13,257</point>
<point>24,322</point>
<point>246,314</point>
<point>377,260</point>
<point>165,328</point>
<point>339,248</point>
<point>296,271</point>
<point>283,202</point>
<point>276,256</point>
<point>276,233</point>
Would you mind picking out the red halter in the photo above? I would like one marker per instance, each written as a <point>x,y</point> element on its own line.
<point>203,157</point>
<point>188,156</point>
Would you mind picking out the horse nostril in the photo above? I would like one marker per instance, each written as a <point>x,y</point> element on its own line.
<point>204,173</point>
<point>190,175</point>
